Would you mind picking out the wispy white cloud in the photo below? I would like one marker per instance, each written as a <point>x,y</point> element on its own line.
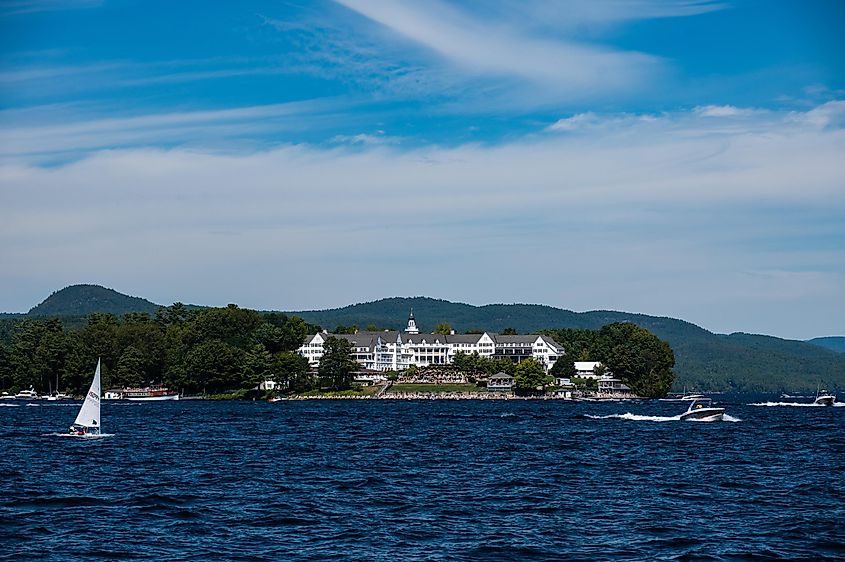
<point>500,55</point>
<point>681,205</point>
<point>20,139</point>
<point>722,111</point>
<point>366,139</point>
<point>499,49</point>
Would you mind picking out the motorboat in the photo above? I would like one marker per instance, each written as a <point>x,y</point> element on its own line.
<point>824,398</point>
<point>702,409</point>
<point>27,395</point>
<point>58,396</point>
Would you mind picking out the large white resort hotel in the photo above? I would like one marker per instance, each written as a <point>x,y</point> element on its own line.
<point>396,351</point>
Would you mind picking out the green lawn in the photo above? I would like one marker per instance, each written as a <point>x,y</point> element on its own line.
<point>433,388</point>
<point>362,391</point>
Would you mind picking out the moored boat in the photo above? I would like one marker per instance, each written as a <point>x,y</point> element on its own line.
<point>27,395</point>
<point>149,394</point>
<point>702,409</point>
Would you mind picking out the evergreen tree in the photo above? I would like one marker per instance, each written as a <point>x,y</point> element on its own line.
<point>337,364</point>
<point>130,369</point>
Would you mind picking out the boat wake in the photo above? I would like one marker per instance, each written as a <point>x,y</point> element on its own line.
<point>636,417</point>
<point>798,404</point>
<point>10,405</point>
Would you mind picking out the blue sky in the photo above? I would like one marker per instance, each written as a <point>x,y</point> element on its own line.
<point>680,158</point>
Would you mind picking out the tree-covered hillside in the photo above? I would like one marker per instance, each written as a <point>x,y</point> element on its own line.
<point>210,350</point>
<point>834,343</point>
<point>704,360</point>
<point>82,300</point>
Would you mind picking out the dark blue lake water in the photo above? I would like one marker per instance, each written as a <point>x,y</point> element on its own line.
<point>431,480</point>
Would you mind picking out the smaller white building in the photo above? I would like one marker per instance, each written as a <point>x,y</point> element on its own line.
<point>610,385</point>
<point>500,381</point>
<point>268,385</point>
<point>587,369</point>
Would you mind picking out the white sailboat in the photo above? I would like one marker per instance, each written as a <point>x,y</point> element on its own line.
<point>87,423</point>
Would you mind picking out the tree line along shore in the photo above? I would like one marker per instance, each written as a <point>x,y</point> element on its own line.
<point>228,352</point>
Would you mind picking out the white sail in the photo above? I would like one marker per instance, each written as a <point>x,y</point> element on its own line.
<point>89,414</point>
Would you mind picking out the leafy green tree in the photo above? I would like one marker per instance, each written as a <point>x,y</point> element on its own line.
<point>130,371</point>
<point>500,365</point>
<point>467,363</point>
<point>293,330</point>
<point>231,325</point>
<point>139,331</point>
<point>38,353</point>
<point>341,329</point>
<point>214,366</point>
<point>443,328</point>
<point>639,358</point>
<point>529,376</point>
<point>564,368</point>
<point>259,366</point>
<point>177,313</point>
<point>5,368</point>
<point>585,383</point>
<point>294,373</point>
<point>579,344</point>
<point>337,364</point>
<point>510,332</point>
<point>99,340</point>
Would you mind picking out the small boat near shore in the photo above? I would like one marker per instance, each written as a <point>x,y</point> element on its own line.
<point>27,395</point>
<point>824,398</point>
<point>702,409</point>
<point>156,393</point>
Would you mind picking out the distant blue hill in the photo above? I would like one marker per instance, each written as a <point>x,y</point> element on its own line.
<point>835,343</point>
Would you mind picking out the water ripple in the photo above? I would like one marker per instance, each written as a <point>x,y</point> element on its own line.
<point>424,480</point>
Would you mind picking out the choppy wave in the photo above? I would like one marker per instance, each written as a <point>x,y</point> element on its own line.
<point>468,480</point>
<point>11,405</point>
<point>797,404</point>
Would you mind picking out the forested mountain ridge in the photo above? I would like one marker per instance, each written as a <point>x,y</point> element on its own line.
<point>704,360</point>
<point>834,343</point>
<point>82,300</point>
